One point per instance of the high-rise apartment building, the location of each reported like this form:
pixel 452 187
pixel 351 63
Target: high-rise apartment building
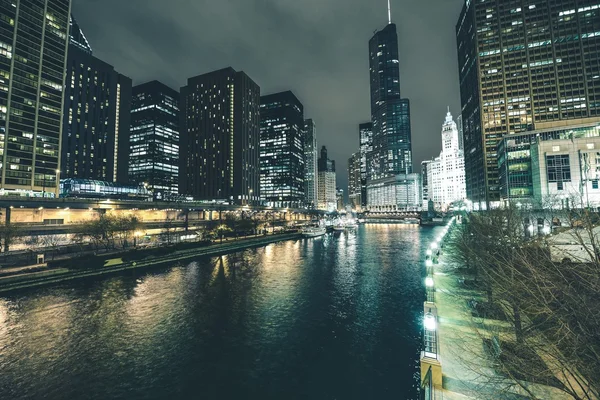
pixel 220 138
pixel 154 138
pixel 310 157
pixel 95 136
pixel 354 182
pixel 366 146
pixel 33 55
pixel 523 65
pixel 389 164
pixel 282 157
pixel 390 113
pixel 327 197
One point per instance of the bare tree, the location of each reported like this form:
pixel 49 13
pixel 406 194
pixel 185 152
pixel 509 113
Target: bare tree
pixel 552 307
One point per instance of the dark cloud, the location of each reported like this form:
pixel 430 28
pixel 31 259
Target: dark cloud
pixel 316 48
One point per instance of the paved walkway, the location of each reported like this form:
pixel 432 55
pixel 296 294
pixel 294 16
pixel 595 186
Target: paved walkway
pixel 467 370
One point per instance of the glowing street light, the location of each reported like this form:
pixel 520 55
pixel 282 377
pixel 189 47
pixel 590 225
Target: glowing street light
pixel 430 322
pixel 429 282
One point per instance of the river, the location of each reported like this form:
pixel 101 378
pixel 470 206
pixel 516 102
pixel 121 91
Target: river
pixel 336 317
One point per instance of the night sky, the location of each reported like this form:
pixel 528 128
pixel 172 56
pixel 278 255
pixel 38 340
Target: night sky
pixel 316 48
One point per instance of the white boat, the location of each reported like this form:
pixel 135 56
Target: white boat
pixel 339 227
pixel 313 231
pixel 352 226
pixel 362 220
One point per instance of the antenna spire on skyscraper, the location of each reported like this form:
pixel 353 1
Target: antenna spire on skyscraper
pixel 389 12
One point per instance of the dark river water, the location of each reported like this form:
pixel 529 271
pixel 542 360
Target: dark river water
pixel 336 317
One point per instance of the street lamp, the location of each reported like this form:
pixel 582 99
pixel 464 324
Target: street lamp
pixel 430 337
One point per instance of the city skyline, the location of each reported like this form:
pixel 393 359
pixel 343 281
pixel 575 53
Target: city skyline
pixel 153 44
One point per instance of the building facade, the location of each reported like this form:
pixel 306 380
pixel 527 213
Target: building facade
pixel 566 173
pixel 154 139
pixel 310 160
pixel 326 191
pixel 354 182
pixel 390 113
pixel 33 54
pixel 95 137
pixel 425 185
pixel 220 138
pixel 366 146
pixel 523 66
pixel 282 157
pixel 446 173
pixel 390 159
pixel 400 192
pixel 341 204
pixel 515 158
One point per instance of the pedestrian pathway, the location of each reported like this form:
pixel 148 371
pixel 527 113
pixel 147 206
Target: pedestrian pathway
pixel 467 369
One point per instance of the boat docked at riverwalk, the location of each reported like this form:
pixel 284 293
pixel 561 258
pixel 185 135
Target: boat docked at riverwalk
pixel 339 228
pixel 314 231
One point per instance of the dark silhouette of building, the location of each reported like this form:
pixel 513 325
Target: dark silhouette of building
pixel 154 139
pixel 220 138
pixel 326 190
pixel 522 66
pixel 95 139
pixel 282 162
pixel 32 69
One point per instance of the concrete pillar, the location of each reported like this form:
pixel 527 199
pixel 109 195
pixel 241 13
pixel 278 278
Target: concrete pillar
pixel 436 371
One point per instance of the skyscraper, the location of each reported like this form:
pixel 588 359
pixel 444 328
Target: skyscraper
pixel 33 55
pixel 366 146
pixel 446 173
pixel 390 114
pixel 310 157
pixel 220 138
pixel 354 181
pixel 523 65
pixel 327 197
pixel 95 137
pixel 154 154
pixel 282 163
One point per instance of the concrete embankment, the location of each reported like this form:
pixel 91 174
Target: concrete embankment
pixel 116 265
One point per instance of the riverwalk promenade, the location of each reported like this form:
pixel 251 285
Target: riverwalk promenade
pixel 116 265
pixel 467 367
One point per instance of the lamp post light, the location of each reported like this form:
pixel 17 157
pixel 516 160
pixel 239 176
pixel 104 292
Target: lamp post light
pixel 430 337
pixel 430 289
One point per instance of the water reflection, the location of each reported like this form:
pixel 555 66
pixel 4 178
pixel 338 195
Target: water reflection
pixel 330 317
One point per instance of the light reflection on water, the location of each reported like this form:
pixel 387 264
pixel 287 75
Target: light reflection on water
pixel 331 317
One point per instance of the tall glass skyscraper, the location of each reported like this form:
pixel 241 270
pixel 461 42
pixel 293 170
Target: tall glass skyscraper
pixel 390 113
pixel 354 181
pixel 282 163
pixel 523 65
pixel 220 138
pixel 310 157
pixel 154 138
pixel 389 163
pixel 33 54
pixel 366 146
pixel 95 139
